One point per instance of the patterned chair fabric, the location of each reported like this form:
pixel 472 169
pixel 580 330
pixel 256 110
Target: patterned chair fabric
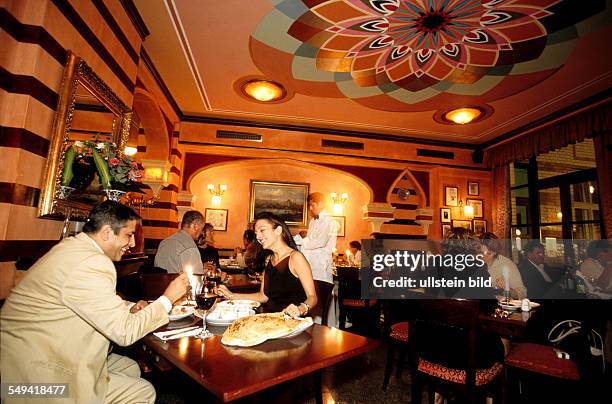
pixel 483 376
pixel 399 331
pixel 542 359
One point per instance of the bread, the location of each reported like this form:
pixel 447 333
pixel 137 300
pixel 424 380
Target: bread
pixel 253 330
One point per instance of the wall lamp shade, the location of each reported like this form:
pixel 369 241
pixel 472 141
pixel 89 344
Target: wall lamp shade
pixel 216 191
pixel 339 200
pixel 467 210
pixel 130 150
pixel 155 175
pixel 264 90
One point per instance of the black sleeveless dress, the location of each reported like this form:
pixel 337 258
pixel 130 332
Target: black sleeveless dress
pixel 281 286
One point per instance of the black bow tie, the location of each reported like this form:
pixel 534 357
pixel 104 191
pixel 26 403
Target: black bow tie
pixel 316 217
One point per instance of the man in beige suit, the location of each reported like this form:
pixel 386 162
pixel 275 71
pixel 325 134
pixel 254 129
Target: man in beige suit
pixel 57 323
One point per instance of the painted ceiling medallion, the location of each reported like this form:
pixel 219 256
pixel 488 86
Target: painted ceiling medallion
pixel 402 55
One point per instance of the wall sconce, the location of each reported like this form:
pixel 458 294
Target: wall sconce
pixel 338 202
pixel 155 175
pixel 216 191
pixel 467 210
pixel 130 150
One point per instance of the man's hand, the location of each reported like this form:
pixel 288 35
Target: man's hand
pixel 141 304
pixel 177 288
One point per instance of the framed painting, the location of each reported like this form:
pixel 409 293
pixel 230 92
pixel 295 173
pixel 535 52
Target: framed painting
pixel 287 200
pixel 445 215
pixel 473 188
pixel 451 196
pixel 341 220
pixel 466 224
pixel 480 227
pixel 445 228
pixel 216 217
pixel 477 204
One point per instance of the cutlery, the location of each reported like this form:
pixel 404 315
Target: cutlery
pixel 190 333
pixel 166 334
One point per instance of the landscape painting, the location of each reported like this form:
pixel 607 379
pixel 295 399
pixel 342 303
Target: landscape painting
pixel 287 200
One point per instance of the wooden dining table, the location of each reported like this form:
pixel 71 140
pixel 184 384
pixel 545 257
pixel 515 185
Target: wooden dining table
pixel 234 372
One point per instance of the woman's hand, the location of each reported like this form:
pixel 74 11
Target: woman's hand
pixel 499 283
pixel 292 310
pixel 222 290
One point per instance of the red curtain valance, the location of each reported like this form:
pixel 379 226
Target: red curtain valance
pixel 591 123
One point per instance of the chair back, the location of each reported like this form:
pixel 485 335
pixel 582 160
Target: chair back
pixel 444 331
pixel 153 285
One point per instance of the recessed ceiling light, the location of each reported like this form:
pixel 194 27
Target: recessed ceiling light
pixel 463 115
pixel 264 90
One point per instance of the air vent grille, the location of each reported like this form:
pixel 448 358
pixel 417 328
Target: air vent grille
pixel 338 144
pixel 435 153
pixel 225 134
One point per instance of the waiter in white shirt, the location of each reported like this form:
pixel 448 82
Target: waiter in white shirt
pixel 317 245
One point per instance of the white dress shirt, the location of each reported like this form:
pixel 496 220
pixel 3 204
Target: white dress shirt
pixel 318 246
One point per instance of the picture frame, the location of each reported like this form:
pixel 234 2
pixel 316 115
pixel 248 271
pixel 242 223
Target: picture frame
pixel 473 188
pixel 341 220
pixel 445 215
pixel 216 217
pixel 445 228
pixel 480 226
pixel 478 206
pixel 466 224
pixel 287 200
pixel 451 196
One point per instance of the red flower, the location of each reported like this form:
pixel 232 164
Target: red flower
pixel 114 161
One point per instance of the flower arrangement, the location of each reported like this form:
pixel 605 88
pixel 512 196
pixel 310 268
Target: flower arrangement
pixel 83 159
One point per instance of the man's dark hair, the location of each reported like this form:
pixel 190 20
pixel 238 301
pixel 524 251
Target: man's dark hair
pixel 109 212
pixel 532 245
pixel 355 244
pixel 191 217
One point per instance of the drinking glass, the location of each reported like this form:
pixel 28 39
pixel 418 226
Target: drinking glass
pixel 205 301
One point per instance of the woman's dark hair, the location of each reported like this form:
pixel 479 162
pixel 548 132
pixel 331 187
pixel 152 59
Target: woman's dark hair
pixel 491 241
pixel 355 244
pixel 597 247
pixel 249 235
pixel 109 212
pixel 277 221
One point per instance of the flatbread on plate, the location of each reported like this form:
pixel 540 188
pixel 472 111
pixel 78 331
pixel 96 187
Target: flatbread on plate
pixel 254 330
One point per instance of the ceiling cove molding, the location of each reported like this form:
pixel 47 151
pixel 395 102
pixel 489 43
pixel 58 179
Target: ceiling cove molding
pixel 318 153
pixel 180 33
pixel 327 131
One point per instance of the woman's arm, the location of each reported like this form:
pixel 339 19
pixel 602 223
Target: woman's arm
pixel 298 265
pixel 258 296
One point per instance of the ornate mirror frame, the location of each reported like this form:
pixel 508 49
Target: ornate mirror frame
pixel 76 72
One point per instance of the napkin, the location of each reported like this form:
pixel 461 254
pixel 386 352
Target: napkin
pixel 181 332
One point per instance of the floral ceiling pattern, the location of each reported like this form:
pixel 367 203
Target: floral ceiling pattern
pixel 418 55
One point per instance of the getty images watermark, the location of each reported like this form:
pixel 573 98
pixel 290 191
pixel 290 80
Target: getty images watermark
pixel 474 269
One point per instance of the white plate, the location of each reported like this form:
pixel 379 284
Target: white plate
pixel 306 323
pixel 179 312
pixel 239 302
pixel 214 317
pixel 516 305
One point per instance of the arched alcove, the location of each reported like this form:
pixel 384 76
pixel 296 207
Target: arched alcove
pixel 238 175
pixel 152 121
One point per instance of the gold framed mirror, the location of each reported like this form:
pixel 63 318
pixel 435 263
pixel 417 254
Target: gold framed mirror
pixel 88 110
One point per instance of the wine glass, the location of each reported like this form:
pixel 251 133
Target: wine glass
pixel 205 301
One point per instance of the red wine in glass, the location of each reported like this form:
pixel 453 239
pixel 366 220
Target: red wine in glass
pixel 205 300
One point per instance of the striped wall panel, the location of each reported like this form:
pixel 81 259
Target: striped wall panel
pixel 35 35
pixel 404 198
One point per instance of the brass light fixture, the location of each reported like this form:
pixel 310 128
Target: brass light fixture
pixel 264 90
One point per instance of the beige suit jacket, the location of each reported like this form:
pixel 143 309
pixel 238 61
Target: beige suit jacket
pixel 56 324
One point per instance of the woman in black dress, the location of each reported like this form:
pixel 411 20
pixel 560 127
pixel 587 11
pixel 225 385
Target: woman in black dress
pixel 287 284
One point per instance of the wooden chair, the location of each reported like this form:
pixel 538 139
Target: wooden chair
pixel 443 329
pixel 153 285
pixel 350 301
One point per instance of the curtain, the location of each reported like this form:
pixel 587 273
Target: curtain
pixel 592 123
pixel 603 156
